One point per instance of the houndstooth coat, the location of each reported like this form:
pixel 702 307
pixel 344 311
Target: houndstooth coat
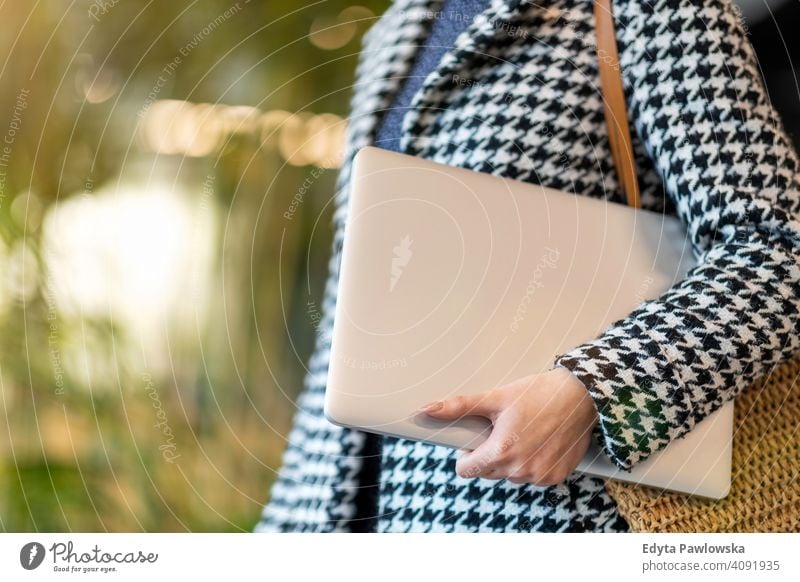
pixel 518 97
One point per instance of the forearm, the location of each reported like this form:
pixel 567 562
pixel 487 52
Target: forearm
pixel 672 362
pixel 698 105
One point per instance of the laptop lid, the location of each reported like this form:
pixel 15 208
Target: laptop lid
pixel 454 282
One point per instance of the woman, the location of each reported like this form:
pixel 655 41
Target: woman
pixel 517 95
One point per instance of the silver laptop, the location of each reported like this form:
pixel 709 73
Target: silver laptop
pixel 454 282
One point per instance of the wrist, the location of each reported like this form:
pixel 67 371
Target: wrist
pixel 580 392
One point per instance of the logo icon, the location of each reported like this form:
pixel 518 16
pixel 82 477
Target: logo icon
pixel 402 254
pixel 31 555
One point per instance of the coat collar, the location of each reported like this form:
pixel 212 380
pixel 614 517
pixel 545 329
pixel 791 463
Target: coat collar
pixel 387 60
pixel 375 92
pixel 498 21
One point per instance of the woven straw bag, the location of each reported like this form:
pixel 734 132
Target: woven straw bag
pixel 765 488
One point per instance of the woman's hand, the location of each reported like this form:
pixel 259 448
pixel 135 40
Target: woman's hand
pixel 542 427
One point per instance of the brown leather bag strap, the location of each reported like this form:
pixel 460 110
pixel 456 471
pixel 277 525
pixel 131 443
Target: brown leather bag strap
pixel 616 113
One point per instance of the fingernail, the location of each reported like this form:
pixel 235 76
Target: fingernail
pixel 433 406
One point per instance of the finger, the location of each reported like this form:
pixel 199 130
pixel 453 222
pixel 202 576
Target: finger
pixel 491 475
pixel 470 467
pixel 489 456
pixel 484 404
pixel 494 475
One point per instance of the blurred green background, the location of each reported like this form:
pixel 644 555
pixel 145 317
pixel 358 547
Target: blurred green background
pixel 166 178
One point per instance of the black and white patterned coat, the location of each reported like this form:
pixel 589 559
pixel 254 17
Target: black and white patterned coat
pixel 518 97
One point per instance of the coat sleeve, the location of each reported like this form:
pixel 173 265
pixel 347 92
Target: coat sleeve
pixel 697 102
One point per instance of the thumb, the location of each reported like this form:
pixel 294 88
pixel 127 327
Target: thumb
pixel 484 404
